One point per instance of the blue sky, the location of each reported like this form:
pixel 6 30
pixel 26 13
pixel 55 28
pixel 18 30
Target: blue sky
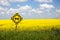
pixel 30 9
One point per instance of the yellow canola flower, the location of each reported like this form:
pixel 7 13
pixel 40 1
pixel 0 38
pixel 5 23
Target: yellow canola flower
pixel 30 24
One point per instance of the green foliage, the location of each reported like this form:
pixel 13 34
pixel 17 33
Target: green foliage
pixel 53 34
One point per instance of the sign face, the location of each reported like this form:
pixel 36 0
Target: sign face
pixel 16 18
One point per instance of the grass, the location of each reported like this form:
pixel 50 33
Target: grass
pixel 53 34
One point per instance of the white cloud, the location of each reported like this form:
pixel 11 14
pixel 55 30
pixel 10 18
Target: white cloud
pixel 57 12
pixel 25 8
pixel 2 13
pixel 2 10
pixel 17 0
pixel 26 11
pixel 4 2
pixel 46 6
pixel 44 0
pixel 37 11
pixel 22 9
pixel 12 11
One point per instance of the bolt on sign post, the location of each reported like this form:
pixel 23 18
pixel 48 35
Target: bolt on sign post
pixel 16 19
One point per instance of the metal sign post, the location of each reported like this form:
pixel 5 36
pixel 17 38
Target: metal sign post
pixel 16 27
pixel 16 19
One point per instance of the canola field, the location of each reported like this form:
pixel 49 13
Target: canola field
pixel 30 24
pixel 30 29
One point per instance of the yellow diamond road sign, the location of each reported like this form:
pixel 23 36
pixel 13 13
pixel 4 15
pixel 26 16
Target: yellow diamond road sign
pixel 16 18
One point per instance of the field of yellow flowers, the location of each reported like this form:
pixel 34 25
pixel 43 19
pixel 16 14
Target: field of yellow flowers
pixel 30 24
